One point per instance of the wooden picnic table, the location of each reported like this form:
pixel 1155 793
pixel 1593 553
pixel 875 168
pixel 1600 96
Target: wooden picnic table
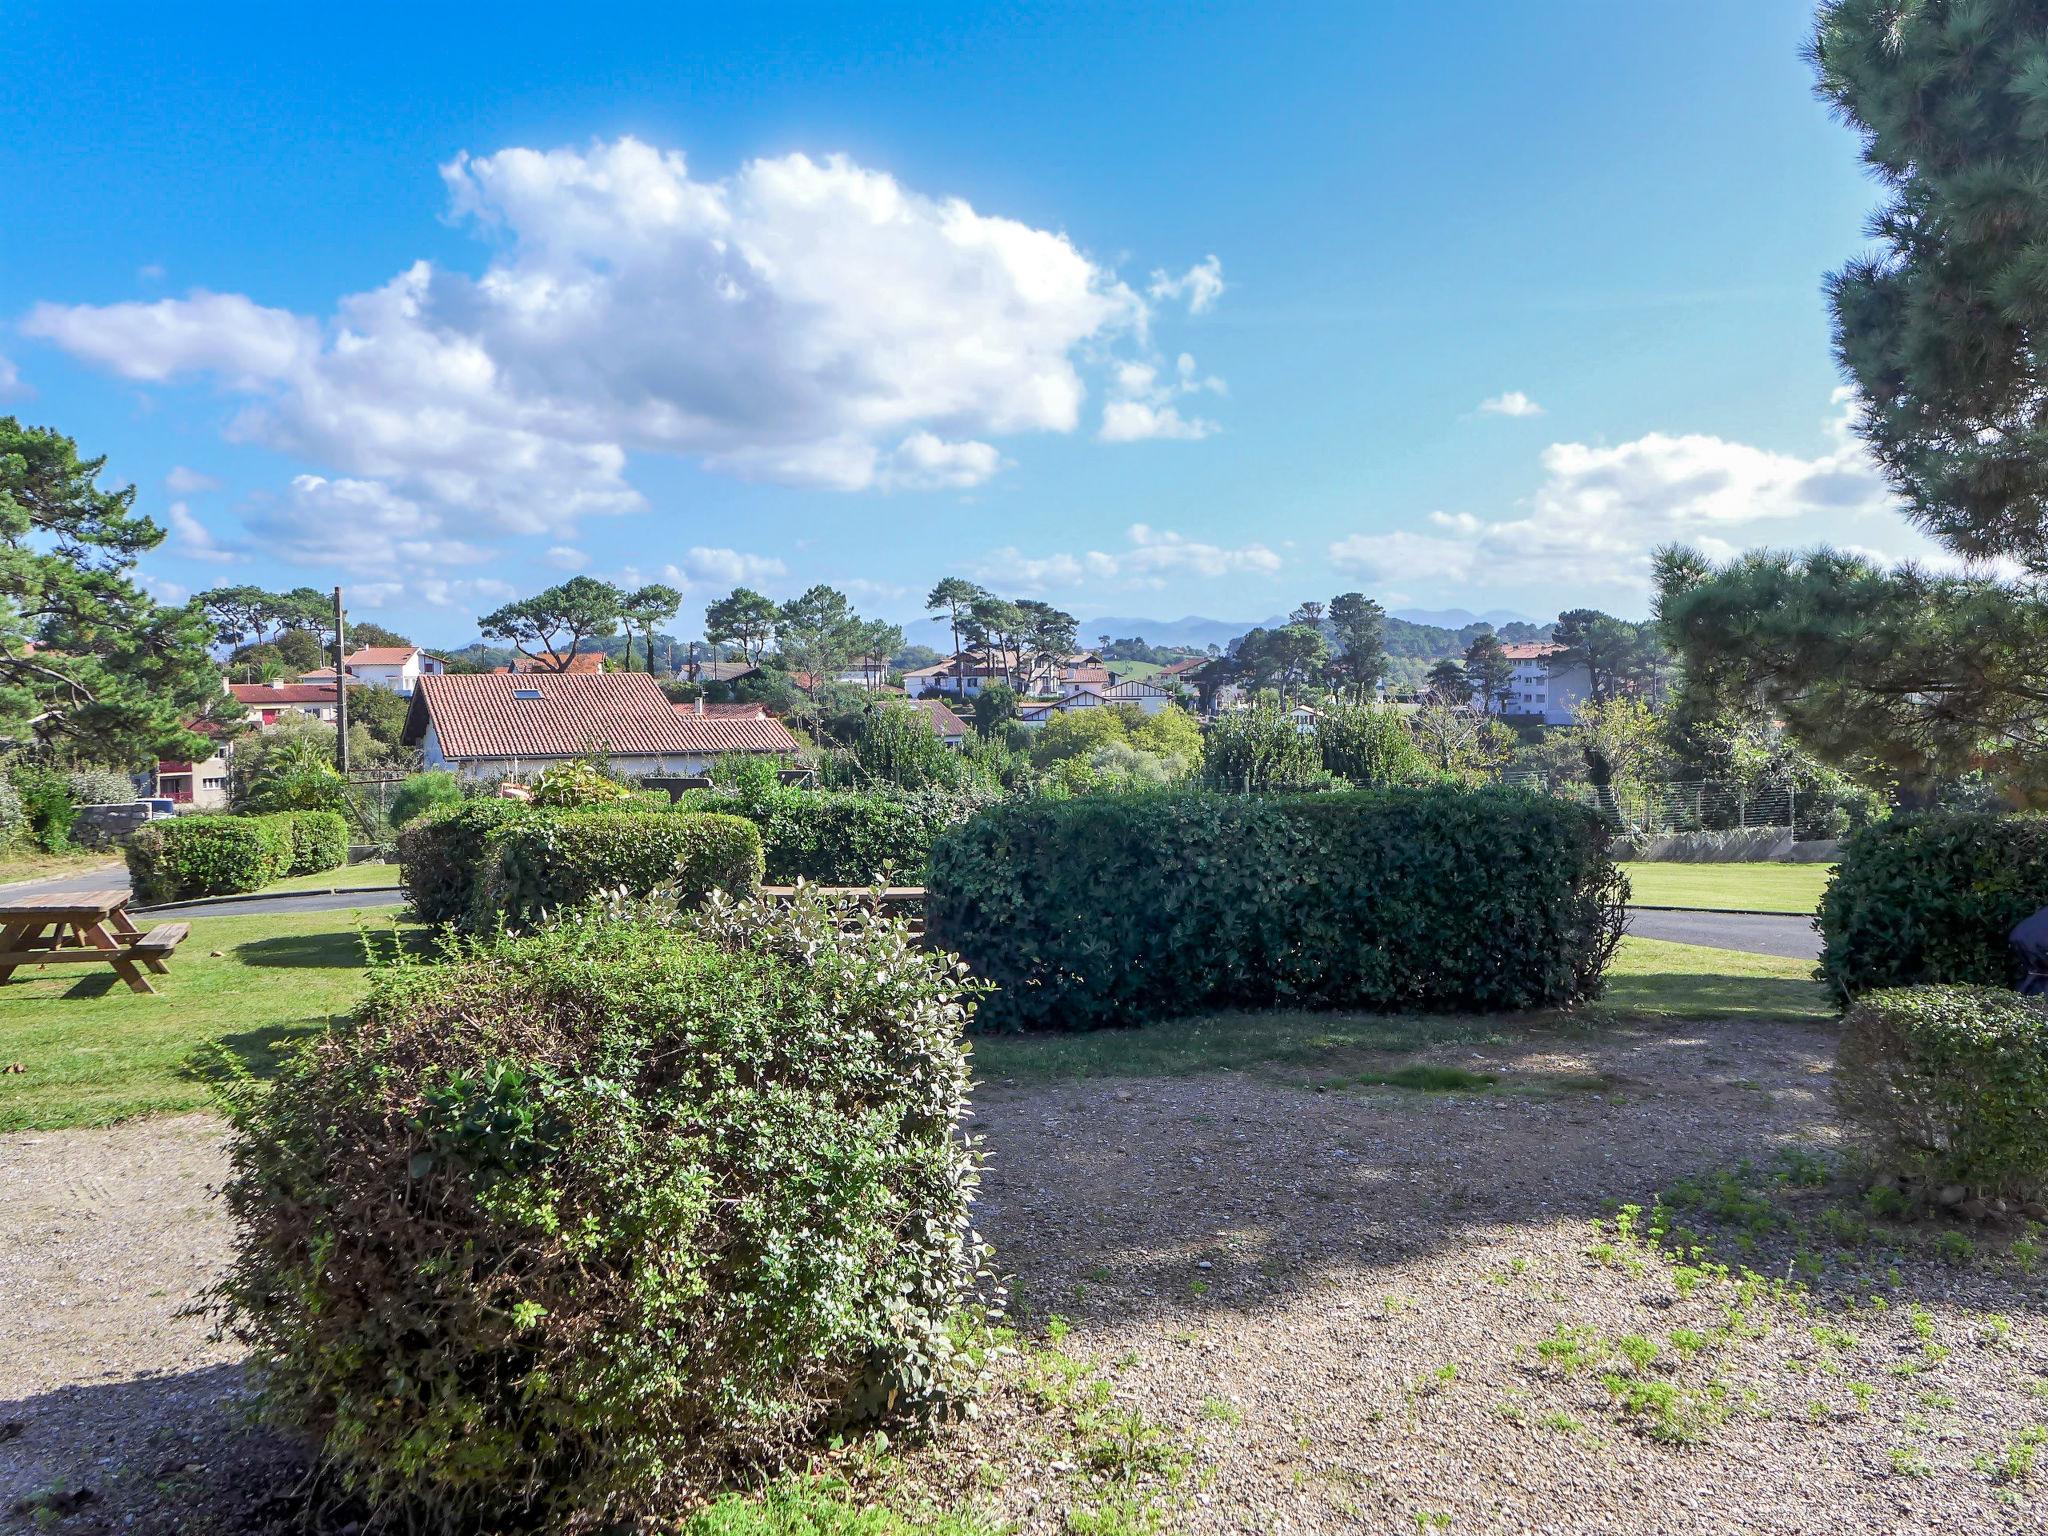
pixel 85 928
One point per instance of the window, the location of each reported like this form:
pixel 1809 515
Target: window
pixel 525 693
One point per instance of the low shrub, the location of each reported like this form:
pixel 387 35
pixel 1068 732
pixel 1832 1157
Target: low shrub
pixel 13 816
pixel 1115 909
pixel 1951 1083
pixel 548 862
pixel 441 856
pixel 583 781
pixel 1929 899
pixel 100 786
pixel 319 840
pixel 434 790
pixel 185 856
pixel 561 1235
pixel 1261 750
pixel 1368 746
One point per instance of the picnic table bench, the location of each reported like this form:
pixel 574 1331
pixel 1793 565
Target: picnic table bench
pixel 85 928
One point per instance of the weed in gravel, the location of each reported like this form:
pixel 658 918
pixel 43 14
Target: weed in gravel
pixel 2015 1461
pixel 1636 1350
pixel 1427 1520
pixel 1689 1341
pixel 1827 1336
pixel 1956 1247
pixel 1560 1422
pixel 1864 1393
pixel 1907 1462
pixel 1666 1411
pixel 1571 1348
pixel 1057 1327
pixel 1222 1410
pixel 1937 1400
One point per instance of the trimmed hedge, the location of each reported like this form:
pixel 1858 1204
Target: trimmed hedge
pixel 1930 899
pixel 184 856
pixel 441 856
pixel 842 837
pixel 1951 1083
pixel 319 840
pixel 558 1236
pixel 1115 909
pixel 547 862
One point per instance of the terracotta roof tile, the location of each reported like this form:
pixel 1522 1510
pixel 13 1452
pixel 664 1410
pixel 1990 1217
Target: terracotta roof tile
pixel 382 655
pixel 624 713
pixel 581 664
pixel 944 721
pixel 1530 650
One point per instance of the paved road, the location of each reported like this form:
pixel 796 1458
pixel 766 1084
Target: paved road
pixel 1791 937
pixel 101 877
pixel 311 902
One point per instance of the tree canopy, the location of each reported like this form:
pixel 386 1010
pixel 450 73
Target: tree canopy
pixel 88 660
pixel 552 627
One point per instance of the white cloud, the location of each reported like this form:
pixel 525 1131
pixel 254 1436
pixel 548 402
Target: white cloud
pixel 563 558
pixel 1601 511
pixel 1201 285
pixel 10 376
pixel 182 481
pixel 190 539
pixel 803 320
pixel 173 593
pixel 151 272
pixel 359 528
pixel 727 568
pixel 475 596
pixel 1512 403
pixel 1152 557
pixel 221 333
pixel 1133 421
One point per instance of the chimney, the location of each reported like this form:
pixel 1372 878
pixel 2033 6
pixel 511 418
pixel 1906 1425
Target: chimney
pixel 700 704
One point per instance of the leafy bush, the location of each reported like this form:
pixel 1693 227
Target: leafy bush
pixel 1248 751
pixel 836 837
pixel 46 803
pixel 184 856
pixel 13 816
pixel 319 840
pixel 549 862
pixel 291 770
pixel 897 745
pixel 623 1207
pixel 1370 746
pixel 1951 1083
pixel 100 786
pixel 1110 910
pixel 584 781
pixel 1930 898
pixel 441 856
pixel 423 792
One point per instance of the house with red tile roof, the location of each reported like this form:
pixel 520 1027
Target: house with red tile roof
pixel 1542 687
pixel 582 662
pixel 515 724
pixel 951 729
pixel 270 703
pixel 393 667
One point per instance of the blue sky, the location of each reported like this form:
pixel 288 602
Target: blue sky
pixel 1147 310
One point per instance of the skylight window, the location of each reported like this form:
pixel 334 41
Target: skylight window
pixel 525 693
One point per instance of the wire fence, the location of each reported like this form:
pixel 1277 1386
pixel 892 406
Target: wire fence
pixel 1700 805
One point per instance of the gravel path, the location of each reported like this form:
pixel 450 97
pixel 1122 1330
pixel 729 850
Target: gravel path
pixel 1331 1298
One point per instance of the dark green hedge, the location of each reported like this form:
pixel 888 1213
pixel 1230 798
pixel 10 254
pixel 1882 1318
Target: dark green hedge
pixel 1115 909
pixel 184 856
pixel 441 856
pixel 562 1236
pixel 1950 1084
pixel 1930 898
pixel 319 840
pixel 550 861
pixel 844 837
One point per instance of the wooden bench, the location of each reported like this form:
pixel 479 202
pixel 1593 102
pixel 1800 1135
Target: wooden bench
pixel 155 946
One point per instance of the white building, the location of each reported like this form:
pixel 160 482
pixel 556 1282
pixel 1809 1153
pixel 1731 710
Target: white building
pixel 396 668
pixel 1540 688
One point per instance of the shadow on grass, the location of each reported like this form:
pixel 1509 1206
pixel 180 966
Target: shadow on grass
pixel 256 1053
pixel 1701 995
pixel 330 951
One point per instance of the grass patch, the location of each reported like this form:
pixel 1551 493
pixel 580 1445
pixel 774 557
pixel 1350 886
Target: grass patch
pixel 93 1052
pixel 1424 1077
pixel 1762 886
pixel 818 1507
pixel 353 877
pixel 45 866
pixel 1654 979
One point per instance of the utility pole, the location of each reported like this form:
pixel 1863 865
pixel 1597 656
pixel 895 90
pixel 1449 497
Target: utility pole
pixel 340 687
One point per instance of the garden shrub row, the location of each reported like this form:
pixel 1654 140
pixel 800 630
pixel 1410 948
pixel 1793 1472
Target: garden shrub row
pixel 552 1237
pixel 487 861
pixel 1116 909
pixel 845 837
pixel 1930 898
pixel 186 856
pixel 1951 1084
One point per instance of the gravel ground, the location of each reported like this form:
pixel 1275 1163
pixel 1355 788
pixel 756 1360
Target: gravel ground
pixel 1329 1300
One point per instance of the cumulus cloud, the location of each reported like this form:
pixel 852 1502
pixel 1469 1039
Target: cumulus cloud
pixel 1601 511
pixel 1511 403
pixel 190 539
pixel 1134 421
pixel 1145 410
pixel 182 481
pixel 727 568
pixel 1201 285
pixel 563 558
pixel 803 320
pixel 1151 558
pixel 361 528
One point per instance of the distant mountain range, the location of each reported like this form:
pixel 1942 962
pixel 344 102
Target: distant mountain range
pixel 1197 631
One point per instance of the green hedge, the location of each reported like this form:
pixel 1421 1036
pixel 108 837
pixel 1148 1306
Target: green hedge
pixel 843 837
pixel 1116 909
pixel 319 840
pixel 441 856
pixel 185 856
pixel 561 1235
pixel 549 861
pixel 1951 1084
pixel 1929 899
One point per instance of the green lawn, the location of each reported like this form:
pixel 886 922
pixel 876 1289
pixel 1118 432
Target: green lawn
pixel 1760 887
pixel 93 1052
pixel 353 877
